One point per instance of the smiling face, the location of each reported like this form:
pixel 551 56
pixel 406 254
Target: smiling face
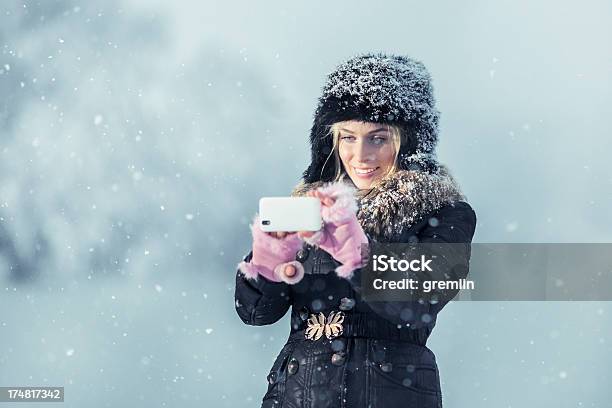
pixel 367 151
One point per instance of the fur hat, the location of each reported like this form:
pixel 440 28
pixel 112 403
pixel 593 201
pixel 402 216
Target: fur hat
pixel 379 88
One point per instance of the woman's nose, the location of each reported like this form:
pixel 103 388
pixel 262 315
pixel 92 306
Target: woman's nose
pixel 363 153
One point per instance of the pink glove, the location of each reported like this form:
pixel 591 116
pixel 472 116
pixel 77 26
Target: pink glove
pixel 341 235
pixel 271 255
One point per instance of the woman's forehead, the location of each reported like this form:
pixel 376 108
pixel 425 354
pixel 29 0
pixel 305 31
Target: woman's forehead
pixel 359 127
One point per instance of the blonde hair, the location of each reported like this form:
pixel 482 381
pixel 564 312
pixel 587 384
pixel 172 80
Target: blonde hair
pixel 334 133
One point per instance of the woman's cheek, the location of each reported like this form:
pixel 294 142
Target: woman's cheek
pixel 387 156
pixel 344 154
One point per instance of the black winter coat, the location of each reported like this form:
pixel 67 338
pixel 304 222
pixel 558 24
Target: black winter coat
pixel 379 361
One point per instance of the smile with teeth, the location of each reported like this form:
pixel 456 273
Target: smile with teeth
pixel 364 171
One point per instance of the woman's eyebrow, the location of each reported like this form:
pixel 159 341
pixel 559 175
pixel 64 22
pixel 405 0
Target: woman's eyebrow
pixel 370 132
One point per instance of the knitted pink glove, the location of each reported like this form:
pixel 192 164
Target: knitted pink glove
pixel 341 235
pixel 271 255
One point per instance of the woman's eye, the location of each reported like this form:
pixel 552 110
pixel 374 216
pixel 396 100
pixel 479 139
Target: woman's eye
pixel 379 140
pixel 348 138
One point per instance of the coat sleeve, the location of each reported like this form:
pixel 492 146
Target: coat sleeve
pixel 454 223
pixel 260 301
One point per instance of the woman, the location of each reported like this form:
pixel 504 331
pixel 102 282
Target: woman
pixel 374 169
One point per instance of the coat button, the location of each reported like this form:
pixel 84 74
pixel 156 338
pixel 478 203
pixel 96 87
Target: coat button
pixel 293 366
pixel 346 304
pixel 386 367
pixel 272 377
pixel 338 358
pixel 301 255
pixel 304 313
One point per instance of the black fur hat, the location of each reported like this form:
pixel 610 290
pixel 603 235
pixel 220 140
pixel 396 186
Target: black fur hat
pixel 379 88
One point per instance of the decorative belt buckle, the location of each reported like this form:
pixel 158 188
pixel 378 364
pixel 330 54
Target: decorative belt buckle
pixel 331 326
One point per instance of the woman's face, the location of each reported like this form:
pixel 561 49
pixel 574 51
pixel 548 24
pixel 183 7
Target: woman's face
pixel 366 150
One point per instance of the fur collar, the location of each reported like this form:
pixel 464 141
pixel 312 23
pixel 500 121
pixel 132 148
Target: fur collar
pixel 399 201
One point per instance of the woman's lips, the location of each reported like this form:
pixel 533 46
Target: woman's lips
pixel 365 172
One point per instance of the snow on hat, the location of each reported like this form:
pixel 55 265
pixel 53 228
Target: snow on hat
pixel 379 88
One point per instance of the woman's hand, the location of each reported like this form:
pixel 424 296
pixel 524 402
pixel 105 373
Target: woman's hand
pixel 341 236
pixel 289 270
pixel 325 199
pixel 273 256
pixel 280 234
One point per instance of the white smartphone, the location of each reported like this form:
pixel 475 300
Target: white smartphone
pixel 290 214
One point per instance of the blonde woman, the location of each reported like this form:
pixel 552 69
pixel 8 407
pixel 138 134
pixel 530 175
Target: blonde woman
pixel 373 166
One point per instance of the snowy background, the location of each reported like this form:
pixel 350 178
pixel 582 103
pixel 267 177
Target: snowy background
pixel 136 137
